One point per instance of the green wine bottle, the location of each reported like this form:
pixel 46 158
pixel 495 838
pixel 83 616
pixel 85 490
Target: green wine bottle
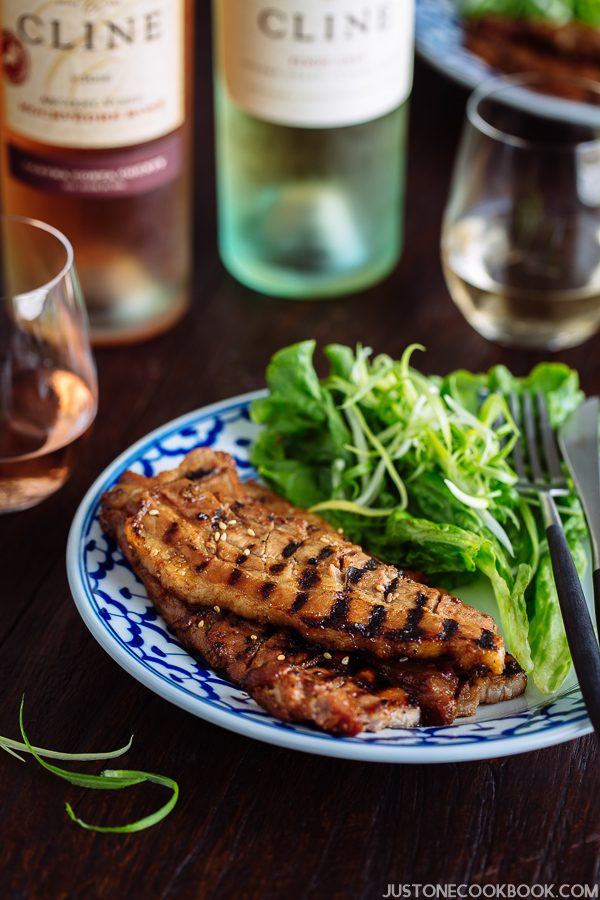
pixel 311 107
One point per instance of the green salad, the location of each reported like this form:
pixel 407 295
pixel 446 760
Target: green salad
pixel 417 469
pixel 555 12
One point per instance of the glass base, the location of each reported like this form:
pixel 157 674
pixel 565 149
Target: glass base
pixel 19 494
pixel 295 284
pixel 531 335
pixel 305 240
pixel 117 332
pixel 126 300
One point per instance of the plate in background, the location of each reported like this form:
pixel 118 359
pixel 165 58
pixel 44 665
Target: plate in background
pixel 115 607
pixel 439 40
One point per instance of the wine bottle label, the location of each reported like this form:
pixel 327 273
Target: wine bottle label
pixel 106 175
pixel 93 73
pixel 316 64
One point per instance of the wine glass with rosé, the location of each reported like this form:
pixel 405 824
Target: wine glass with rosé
pixel 48 387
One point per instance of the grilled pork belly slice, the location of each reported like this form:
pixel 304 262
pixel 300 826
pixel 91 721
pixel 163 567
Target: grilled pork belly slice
pixel 292 680
pixel 445 694
pixel 343 695
pixel 484 688
pixel 299 682
pixel 530 45
pixel 207 540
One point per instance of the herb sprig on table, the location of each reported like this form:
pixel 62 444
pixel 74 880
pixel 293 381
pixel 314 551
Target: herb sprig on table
pixel 108 780
pixel 417 469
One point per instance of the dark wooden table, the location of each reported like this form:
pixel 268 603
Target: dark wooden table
pixel 256 821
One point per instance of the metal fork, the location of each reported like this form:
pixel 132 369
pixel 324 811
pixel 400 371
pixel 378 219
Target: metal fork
pixel 537 462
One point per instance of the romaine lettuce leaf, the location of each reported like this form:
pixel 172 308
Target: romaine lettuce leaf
pixel 549 646
pixel 296 401
pixel 417 469
pixel 428 546
pixel 588 12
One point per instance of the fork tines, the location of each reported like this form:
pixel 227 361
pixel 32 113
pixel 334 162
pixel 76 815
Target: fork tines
pixel 536 457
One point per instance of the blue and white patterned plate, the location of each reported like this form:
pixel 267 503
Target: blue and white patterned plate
pixel 439 40
pixel 116 609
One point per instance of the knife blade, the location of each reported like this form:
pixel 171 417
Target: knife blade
pixel 580 446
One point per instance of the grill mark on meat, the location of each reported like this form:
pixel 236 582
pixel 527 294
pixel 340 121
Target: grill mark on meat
pixel 391 587
pixel 372 565
pixel 242 558
pixel 267 589
pixel 512 667
pixel 277 568
pixel 376 620
pixel 325 553
pixel 170 532
pixel 300 601
pixel 338 615
pixel 411 630
pixel 308 579
pixel 354 575
pixel 235 576
pixel 291 548
pixel 199 474
pixel 359 628
pixel 449 629
pixel 202 566
pixel 486 641
pixel 421 599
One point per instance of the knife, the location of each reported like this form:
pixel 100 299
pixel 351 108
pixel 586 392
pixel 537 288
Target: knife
pixel 580 446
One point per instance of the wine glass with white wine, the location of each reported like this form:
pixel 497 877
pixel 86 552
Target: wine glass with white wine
pixel 48 389
pixel 521 231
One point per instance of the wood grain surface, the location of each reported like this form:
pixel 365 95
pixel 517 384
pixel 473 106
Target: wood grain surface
pixel 255 821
